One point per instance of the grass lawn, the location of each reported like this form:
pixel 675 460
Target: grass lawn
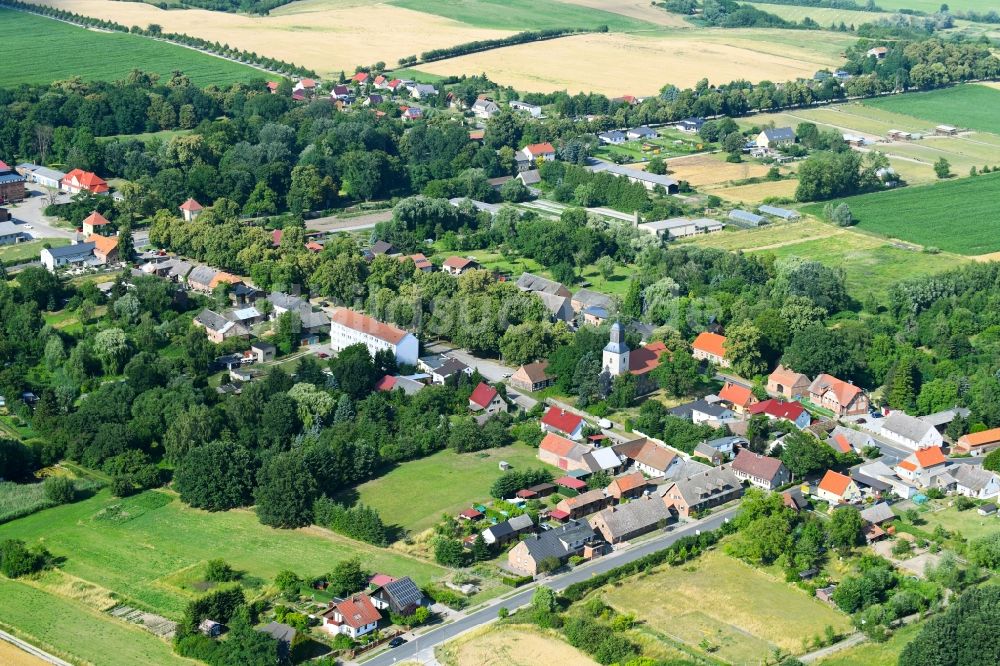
pixel 135 546
pixel 957 215
pixel 416 493
pixel 524 14
pixel 742 611
pixel 874 654
pixel 966 106
pixel 28 251
pixel 119 53
pixel 969 522
pixel 78 632
pixel 416 75
pixel 147 137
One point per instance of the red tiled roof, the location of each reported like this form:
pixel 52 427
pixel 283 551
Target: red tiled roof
pixel 360 77
pixel 562 420
pixel 756 465
pixel 908 466
pixel 559 514
pixel 380 79
pixel 629 482
pixel 834 482
pixel 982 438
pixel 553 443
pixel 646 358
pixel 457 262
pixel 87 180
pixel 930 457
pixel 711 343
pixel 103 244
pixel 365 324
pixel 313 246
pixel 736 394
pixel 844 391
pixel 221 277
pixel 386 383
pixel 779 409
pixel 380 579
pixel 471 514
pixel 272 85
pixel 420 261
pixel 191 205
pixel 308 83
pixel 786 376
pixel 536 149
pixel 570 482
pixel 483 395
pixel 95 219
pixel 841 441
pixel 357 611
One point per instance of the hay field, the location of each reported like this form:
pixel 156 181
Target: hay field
pixel 637 9
pixel 758 192
pixel 743 611
pixel 712 169
pixel 619 64
pixel 821 15
pixel 511 645
pixel 325 35
pixel 13 656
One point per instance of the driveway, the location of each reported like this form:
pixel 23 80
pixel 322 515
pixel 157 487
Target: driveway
pixel 334 223
pixel 422 649
pixel 29 213
pixel 494 371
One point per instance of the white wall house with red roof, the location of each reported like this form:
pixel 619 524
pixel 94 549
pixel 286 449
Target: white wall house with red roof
pixel 486 400
pixel 563 423
pixel 348 327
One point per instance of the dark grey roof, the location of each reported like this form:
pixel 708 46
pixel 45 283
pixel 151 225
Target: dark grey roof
pixel 684 411
pixel 404 592
pixel 71 250
pixel 637 515
pixel 878 513
pixel 613 135
pixel 642 131
pixel 711 483
pixel 212 320
pixel 381 247
pixel 972 477
pixel 451 367
pixel 7 178
pixel 263 346
pixel 530 177
pixel 531 282
pixel 780 133
pixel 556 542
pixel 589 297
pixel 723 442
pixel 280 632
pixel 906 426
pixel 202 275
pixel 871 482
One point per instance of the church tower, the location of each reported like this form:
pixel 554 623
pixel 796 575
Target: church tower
pixel 616 352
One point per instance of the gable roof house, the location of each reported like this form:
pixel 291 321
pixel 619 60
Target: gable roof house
pixel 564 423
pixel 840 397
pixel 283 633
pixel 701 491
pixel 877 514
pixel 921 466
pixel 978 443
pixel 105 248
pixel 633 519
pixel 761 471
pixel 573 538
pixel 507 531
pixel 787 383
pixel 348 327
pixel 529 156
pixel 392 382
pixel 200 278
pixel 458 265
pixel 486 399
pixel 613 138
pixel 67 255
pixel 533 110
pixel 739 397
pixel 719 450
pixel 774 137
pixel 603 460
pixel 400 596
pixel 845 440
pixel 94 223
pixel 641 132
pixel 354 616
pixel 836 488
pixel 976 482
pixel 710 347
pixel 560 308
pixel 704 411
pixel 484 109
pixel 583 504
pixel 191 209
pixel 910 431
pixel 778 410
pixel 218 328
pixel 78 180
pixel 537 283
pixel 628 486
pixel 648 457
pixel 531 377
pixel 562 453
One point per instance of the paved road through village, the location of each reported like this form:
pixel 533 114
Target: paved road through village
pixel 422 649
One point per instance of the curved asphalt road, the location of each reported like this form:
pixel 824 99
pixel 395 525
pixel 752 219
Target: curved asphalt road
pixel 483 616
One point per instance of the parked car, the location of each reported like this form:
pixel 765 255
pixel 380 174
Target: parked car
pixel 397 641
pixel 323 355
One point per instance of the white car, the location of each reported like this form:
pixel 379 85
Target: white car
pixel 28 226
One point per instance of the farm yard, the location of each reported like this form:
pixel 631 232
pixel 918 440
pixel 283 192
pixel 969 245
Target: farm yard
pixel 118 54
pixel 741 611
pixel 512 645
pixel 417 493
pixel 871 264
pixel 159 538
pixel 914 214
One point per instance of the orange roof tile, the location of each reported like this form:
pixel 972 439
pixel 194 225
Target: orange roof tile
pixel 736 394
pixel 191 205
pixel 221 277
pixel 553 443
pixel 103 244
pixel 908 466
pixel 835 482
pixel 365 324
pixel 842 443
pixel 95 219
pixel 929 457
pixel 629 482
pixel 711 343
pixel 991 436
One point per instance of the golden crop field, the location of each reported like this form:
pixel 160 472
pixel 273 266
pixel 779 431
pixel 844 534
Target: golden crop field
pixel 637 9
pixel 16 657
pixel 325 35
pixel 511 646
pixel 711 169
pixel 620 64
pixel 757 192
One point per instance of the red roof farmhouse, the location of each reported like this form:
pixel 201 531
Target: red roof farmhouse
pixel 558 420
pixel 710 347
pixel 840 397
pixel 348 327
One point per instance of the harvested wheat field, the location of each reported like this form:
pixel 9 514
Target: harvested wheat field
pixel 13 656
pixel 325 35
pixel 619 64
pixel 758 192
pixel 512 645
pixel 712 169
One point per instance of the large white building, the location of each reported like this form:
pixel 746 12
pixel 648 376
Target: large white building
pixel 910 431
pixel 348 327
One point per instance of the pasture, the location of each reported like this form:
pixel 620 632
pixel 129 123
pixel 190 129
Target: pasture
pixel 966 106
pixel 713 169
pixel 741 611
pixel 158 536
pixel 871 264
pixel 511 645
pixel 78 632
pixel 416 493
pixel 957 215
pixel 518 15
pixel 969 523
pixel 111 55
pixel 875 654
